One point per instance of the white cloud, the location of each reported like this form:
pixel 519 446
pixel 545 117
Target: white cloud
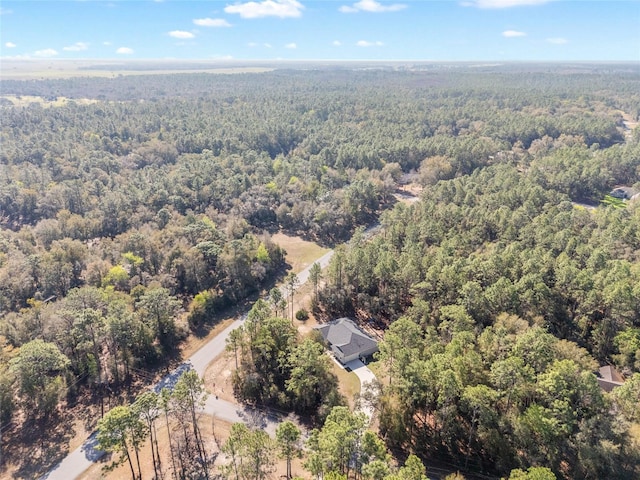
pixel 211 22
pixel 124 51
pixel 513 33
pixel 76 47
pixel 256 44
pixel 106 44
pixel 10 45
pixel 267 8
pixel 502 3
pixel 181 34
pixel 557 40
pixel 291 46
pixel 371 6
pixel 365 43
pixel 47 52
pixel 336 43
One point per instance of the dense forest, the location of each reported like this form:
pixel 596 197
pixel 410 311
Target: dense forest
pixel 134 208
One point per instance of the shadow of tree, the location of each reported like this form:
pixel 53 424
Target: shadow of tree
pixel 36 446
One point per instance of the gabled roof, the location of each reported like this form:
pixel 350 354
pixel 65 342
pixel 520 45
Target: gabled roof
pixel 610 373
pixel 623 192
pixel 344 335
pixel 609 378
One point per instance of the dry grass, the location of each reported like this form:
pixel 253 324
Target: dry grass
pixel 194 343
pixel 208 426
pixel 300 253
pixel 24 100
pixel 123 472
pixel 349 383
pixel 59 68
pixel 217 377
pixel 634 431
pixel 30 450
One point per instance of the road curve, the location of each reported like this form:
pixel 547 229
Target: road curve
pixel 80 459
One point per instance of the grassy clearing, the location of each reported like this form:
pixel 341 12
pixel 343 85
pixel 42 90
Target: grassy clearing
pixel 25 100
pixel 613 202
pixel 300 253
pixel 348 381
pixel 58 68
pixel 193 343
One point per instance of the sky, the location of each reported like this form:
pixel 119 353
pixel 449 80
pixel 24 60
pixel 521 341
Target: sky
pixel 429 30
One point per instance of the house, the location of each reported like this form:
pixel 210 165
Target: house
pixel 623 193
pixel 346 341
pixel 609 378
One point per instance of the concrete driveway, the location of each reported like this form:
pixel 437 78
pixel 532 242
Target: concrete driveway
pixel 367 379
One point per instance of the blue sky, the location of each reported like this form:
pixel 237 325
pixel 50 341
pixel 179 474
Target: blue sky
pixel 439 30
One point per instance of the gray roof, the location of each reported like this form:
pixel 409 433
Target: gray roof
pixel 623 192
pixel 608 372
pixel 344 335
pixel 609 378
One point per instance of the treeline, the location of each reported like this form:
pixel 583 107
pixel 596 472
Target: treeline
pixel 341 447
pixel 111 306
pixel 276 368
pixel 506 396
pixel 497 241
pixel 190 255
pixel 277 141
pixel 144 204
pixel 125 429
pixel 499 295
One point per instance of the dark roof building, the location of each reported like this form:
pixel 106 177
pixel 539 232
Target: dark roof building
pixel 346 341
pixel 609 378
pixel 623 193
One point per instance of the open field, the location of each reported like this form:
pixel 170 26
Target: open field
pixel 24 100
pixel 300 253
pixel 25 69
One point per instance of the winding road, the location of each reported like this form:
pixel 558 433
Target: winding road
pixel 80 459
